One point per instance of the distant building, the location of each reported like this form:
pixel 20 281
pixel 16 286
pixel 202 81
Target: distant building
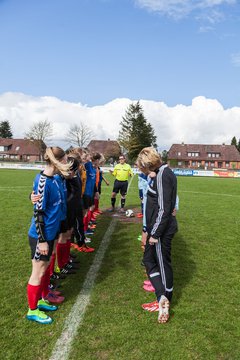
pixel 204 156
pixel 21 150
pixel 109 148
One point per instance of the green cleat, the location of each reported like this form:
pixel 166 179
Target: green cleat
pixel 38 316
pixel 46 306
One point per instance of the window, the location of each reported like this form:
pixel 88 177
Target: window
pixel 179 163
pixel 189 154
pixel 1 148
pixel 213 155
pixel 217 155
pixel 212 164
pixel 179 154
pixel 227 164
pixel 17 148
pixel 193 163
pixel 209 155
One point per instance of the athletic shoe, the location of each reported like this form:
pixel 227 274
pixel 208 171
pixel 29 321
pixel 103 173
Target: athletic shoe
pixel 71 266
pixel 54 286
pixel 89 232
pixel 149 288
pixel 38 316
pixel 56 276
pixel 55 299
pixel 152 306
pixel 93 222
pixel 52 291
pixel 44 304
pixel 73 245
pixel 147 282
pixel 72 255
pixel 98 211
pixel 87 240
pixel 140 215
pixel 139 238
pixel 73 260
pixel 65 271
pixel 85 249
pixel 164 306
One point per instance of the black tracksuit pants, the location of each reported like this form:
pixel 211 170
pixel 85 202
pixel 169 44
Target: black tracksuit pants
pixel 157 260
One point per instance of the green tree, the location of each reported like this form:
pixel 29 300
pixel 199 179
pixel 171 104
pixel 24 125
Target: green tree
pixel 238 145
pixel 5 130
pixel 136 133
pixel 164 156
pixel 234 141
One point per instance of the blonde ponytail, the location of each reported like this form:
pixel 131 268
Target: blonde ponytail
pixel 53 155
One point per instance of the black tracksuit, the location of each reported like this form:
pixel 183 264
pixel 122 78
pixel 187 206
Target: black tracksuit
pixel 161 225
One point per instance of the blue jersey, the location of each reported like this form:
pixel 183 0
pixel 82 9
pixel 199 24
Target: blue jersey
pixel 91 179
pixel 50 205
pixel 63 189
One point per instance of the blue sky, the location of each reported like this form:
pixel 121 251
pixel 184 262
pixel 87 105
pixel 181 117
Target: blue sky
pixel 94 51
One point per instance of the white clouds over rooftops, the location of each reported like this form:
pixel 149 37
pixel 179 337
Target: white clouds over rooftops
pixel 181 8
pixel 204 121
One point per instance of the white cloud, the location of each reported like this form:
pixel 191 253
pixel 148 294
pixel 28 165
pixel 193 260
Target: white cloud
pixel 235 59
pixel 181 8
pixel 204 121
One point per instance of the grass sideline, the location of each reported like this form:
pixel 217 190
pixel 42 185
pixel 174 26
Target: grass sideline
pixel 205 306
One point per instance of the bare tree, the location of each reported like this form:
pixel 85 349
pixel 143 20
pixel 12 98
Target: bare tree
pixel 79 135
pixel 39 132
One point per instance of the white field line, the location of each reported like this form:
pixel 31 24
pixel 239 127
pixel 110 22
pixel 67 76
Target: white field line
pixel 73 321
pixel 207 193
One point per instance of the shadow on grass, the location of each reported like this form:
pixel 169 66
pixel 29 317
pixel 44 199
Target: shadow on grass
pixel 121 255
pixel 183 264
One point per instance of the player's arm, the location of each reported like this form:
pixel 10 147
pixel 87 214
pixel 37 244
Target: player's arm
pixel 165 207
pixel 39 221
pixel 105 180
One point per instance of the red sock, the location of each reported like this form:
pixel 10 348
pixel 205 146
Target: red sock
pixel 52 263
pixel 91 216
pixel 85 222
pixel 61 255
pixel 45 282
pixel 33 294
pixel 67 252
pixel 96 204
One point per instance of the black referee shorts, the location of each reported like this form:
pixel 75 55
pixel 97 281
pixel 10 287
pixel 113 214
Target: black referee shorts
pixel 120 186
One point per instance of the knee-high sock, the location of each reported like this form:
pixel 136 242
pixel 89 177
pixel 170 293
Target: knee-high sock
pixel 67 252
pixel 85 222
pixel 33 294
pixel 61 250
pixel 113 201
pixel 91 216
pixel 96 204
pixel 52 263
pixel 45 282
pixel 123 203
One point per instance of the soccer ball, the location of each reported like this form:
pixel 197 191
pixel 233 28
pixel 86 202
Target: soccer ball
pixel 129 213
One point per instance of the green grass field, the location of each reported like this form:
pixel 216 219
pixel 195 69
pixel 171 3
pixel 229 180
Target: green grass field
pixel 205 322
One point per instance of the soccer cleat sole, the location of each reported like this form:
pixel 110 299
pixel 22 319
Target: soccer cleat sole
pixel 37 319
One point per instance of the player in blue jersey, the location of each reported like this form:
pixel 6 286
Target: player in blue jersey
pixel 44 229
